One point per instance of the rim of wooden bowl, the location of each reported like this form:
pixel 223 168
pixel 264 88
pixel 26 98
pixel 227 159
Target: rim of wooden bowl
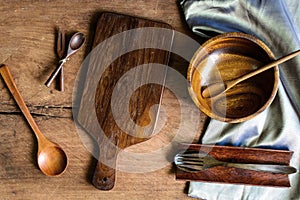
pixel 191 69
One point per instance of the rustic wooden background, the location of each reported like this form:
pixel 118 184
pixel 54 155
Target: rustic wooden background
pixel 27 47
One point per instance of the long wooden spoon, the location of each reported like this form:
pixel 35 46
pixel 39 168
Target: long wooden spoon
pixel 219 88
pixel 52 160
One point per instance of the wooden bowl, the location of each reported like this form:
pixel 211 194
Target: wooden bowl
pixel 226 57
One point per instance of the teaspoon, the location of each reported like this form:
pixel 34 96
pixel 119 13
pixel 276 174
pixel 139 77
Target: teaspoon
pixel 52 160
pixel 75 44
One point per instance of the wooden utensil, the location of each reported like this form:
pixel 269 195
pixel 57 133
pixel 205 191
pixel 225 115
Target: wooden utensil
pixel 60 50
pixel 52 160
pixel 223 58
pixel 221 174
pixel 219 88
pixel 114 138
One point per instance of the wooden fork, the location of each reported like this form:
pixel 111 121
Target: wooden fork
pixel 60 50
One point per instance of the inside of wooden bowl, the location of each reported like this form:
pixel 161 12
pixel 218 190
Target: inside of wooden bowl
pixel 227 57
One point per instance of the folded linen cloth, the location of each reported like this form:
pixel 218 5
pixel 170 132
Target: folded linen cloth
pixel 278 25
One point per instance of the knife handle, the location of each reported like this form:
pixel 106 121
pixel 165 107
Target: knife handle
pixel 105 171
pixel 278 169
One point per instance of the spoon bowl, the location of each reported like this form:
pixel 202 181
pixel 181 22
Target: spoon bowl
pixel 75 43
pixel 52 160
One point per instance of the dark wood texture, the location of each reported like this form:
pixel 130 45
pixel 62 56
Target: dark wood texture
pixel 240 176
pixel 27 38
pixel 142 99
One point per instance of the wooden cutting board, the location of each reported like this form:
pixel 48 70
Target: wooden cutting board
pixel 96 114
pixel 231 175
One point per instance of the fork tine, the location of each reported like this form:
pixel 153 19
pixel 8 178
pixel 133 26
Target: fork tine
pixel 192 162
pixel 63 42
pixel 189 159
pixel 193 168
pixel 59 43
pixel 192 155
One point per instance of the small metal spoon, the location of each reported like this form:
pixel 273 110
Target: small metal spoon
pixel 75 44
pixel 52 160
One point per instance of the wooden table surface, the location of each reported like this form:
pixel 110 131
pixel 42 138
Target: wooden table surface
pixel 27 47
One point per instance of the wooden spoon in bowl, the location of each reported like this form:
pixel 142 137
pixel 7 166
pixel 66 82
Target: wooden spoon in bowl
pixel 52 160
pixel 216 89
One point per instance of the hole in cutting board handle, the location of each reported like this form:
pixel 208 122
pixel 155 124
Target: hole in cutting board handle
pixel 104 179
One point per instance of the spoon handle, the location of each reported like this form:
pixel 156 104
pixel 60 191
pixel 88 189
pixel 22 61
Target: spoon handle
pixel 264 68
pixel 7 77
pixel 217 89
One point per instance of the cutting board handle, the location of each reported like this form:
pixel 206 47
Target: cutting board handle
pixel 104 175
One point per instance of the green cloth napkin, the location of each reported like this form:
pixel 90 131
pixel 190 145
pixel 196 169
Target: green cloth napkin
pixel 277 23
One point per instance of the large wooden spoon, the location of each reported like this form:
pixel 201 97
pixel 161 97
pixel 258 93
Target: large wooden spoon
pixel 52 160
pixel 216 89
